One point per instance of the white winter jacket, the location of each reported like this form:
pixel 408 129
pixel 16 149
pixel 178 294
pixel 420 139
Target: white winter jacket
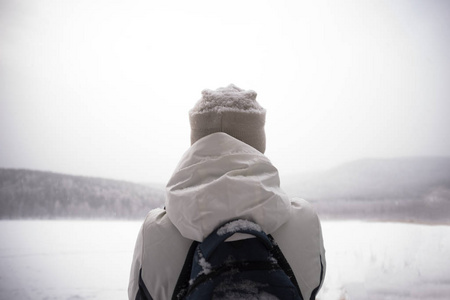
pixel 218 179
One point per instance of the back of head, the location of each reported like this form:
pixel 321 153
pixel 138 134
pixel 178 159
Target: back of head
pixel 231 110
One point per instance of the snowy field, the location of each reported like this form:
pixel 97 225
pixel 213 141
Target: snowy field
pixel 91 260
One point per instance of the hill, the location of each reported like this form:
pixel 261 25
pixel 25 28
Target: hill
pixel 36 194
pixel 402 189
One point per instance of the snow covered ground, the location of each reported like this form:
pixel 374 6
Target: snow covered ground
pixel 386 261
pixel 91 260
pixel 65 259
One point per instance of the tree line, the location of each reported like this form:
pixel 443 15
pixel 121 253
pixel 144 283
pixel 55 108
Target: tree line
pixel 37 194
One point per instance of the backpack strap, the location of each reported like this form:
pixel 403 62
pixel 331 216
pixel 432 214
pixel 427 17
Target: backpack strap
pixel 284 264
pixel 225 231
pixel 182 284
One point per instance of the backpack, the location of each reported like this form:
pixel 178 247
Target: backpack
pixel 252 268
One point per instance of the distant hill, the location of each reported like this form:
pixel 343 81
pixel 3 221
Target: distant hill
pixel 36 194
pixel 402 189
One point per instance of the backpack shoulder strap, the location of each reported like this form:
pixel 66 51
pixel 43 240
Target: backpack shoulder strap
pixel 284 264
pixel 182 284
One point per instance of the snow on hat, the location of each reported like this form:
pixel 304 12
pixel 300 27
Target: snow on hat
pixel 230 110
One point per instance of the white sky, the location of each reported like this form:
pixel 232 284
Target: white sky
pixel 103 88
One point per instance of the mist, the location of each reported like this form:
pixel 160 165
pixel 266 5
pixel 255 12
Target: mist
pixel 103 89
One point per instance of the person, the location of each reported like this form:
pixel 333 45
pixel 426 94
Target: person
pixel 225 175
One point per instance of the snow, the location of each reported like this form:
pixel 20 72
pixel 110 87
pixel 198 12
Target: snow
pixel 66 259
pixel 230 98
pixel 260 296
pixel 248 290
pixel 237 225
pixel 206 266
pixel 92 259
pixel 386 261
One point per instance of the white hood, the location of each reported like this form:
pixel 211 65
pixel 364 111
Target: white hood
pixel 221 178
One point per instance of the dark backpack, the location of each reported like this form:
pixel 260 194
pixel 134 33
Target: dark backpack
pixel 252 268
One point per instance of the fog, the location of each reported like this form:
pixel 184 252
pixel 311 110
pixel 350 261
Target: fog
pixel 102 88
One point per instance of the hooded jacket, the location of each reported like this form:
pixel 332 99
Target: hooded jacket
pixel 219 179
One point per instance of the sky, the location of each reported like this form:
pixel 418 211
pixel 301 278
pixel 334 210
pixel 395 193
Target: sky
pixel 103 88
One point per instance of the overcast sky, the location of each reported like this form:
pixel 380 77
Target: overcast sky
pixel 103 88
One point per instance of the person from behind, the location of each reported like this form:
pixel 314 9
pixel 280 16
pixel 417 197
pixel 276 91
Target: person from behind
pixel 223 176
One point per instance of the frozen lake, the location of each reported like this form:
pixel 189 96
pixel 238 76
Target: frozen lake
pixel 91 260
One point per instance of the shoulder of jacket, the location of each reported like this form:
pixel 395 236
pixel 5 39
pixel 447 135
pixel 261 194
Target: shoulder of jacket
pixel 303 207
pixel 163 253
pixel 300 240
pixel 153 215
pixel 157 217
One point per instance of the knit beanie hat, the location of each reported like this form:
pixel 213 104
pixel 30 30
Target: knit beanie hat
pixel 230 110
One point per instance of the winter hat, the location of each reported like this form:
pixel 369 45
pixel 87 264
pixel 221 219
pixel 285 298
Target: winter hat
pixel 230 110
